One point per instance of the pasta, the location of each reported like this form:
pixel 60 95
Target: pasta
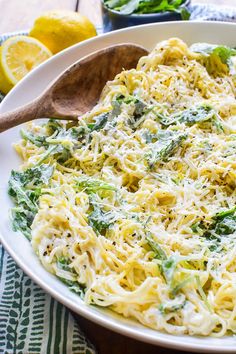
pixel 134 207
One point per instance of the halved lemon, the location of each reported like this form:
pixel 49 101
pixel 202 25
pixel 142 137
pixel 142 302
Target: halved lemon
pixel 18 56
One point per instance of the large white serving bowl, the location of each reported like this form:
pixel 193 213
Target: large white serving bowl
pixel 17 245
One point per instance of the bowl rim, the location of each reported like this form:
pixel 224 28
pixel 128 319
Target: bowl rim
pixel 142 16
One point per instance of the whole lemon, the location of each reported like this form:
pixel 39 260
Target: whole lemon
pixel 60 29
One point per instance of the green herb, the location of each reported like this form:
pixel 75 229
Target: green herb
pixel 224 224
pixel 139 108
pixel 227 226
pixel 202 294
pixel 180 286
pixel 158 251
pixel 172 306
pixel 197 114
pixel 168 268
pixel 101 220
pixel 149 137
pixel 34 139
pixel 92 185
pixel 100 122
pixel 25 189
pixel 127 7
pixel 191 116
pixel 63 263
pixel 224 53
pixel 60 144
pixel 102 119
pixel 223 214
pixel 165 147
pixel 22 220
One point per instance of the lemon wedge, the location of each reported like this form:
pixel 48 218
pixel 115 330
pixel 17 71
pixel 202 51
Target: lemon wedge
pixel 60 29
pixel 18 56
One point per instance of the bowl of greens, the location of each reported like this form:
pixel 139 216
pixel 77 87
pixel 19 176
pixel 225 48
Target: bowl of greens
pixel 124 13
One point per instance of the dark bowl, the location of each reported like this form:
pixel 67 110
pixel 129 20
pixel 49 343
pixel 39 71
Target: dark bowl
pixel 113 20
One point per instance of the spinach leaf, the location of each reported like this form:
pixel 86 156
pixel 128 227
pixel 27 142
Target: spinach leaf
pixel 197 114
pixel 92 185
pixel 100 122
pixel 223 214
pixel 202 294
pixel 168 268
pixel 25 190
pixel 24 187
pixel 158 251
pixel 34 139
pixel 101 220
pixel 167 143
pixel 139 108
pixel 127 7
pixel 62 143
pixel 22 220
pixel 130 7
pixel 173 305
pixel 114 4
pixel 190 116
pixel 180 286
pixel 223 224
pixel 139 111
pixel 224 53
pixel 149 137
pixel 63 263
pixel 226 226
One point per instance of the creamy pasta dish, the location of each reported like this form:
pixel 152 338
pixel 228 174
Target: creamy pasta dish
pixel 134 206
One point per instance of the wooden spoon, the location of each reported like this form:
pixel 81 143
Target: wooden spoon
pixel 77 89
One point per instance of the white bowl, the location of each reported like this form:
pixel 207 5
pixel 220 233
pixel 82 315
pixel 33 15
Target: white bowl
pixel 17 245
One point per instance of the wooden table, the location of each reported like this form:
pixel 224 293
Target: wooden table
pixel 18 15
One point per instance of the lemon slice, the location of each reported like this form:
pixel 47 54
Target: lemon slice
pixel 18 56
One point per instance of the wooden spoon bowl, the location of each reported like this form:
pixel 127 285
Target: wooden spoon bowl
pixel 77 90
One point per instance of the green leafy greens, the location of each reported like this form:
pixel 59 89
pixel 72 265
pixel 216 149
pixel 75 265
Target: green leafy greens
pixel 25 189
pixel 156 248
pixel 101 220
pixel 127 7
pixel 194 115
pixel 92 185
pixel 63 263
pixel 140 108
pixel 223 224
pixel 168 264
pixel 100 122
pixel 59 144
pixel 167 143
pixel 209 51
pixel 172 306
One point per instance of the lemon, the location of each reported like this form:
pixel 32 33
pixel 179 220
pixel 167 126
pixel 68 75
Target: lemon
pixel 60 29
pixel 19 55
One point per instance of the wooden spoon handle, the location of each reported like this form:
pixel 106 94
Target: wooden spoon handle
pixel 20 115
